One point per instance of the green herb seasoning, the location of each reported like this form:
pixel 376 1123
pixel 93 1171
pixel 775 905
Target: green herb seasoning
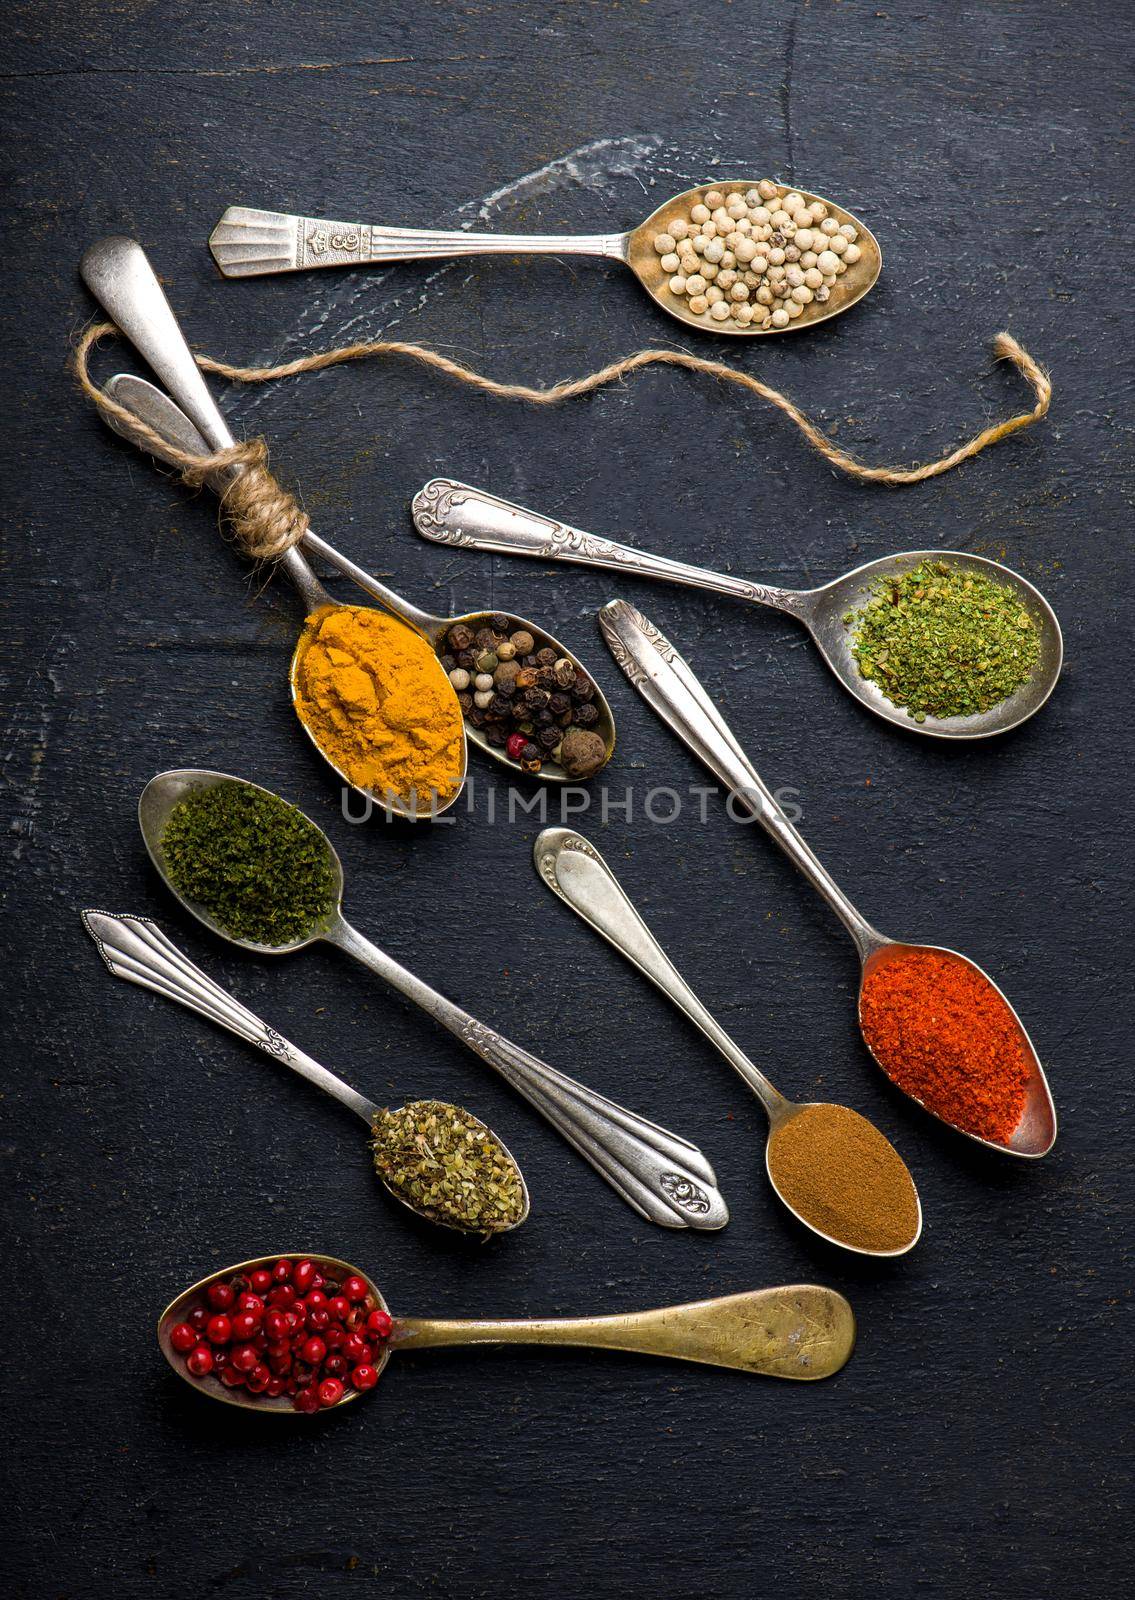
pixel 253 862
pixel 448 1166
pixel 944 641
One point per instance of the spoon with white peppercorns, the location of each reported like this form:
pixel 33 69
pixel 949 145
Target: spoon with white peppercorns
pixel 737 257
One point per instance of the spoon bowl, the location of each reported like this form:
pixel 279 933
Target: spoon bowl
pixel 646 264
pixel 249 242
pixel 281 1405
pixel 459 515
pixel 1035 1134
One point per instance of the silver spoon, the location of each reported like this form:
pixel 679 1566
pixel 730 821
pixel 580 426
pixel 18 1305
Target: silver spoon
pixel 661 1176
pixel 136 949
pixel 248 243
pixel 452 513
pixel 800 1331
pixel 668 685
pixel 574 870
pixel 119 275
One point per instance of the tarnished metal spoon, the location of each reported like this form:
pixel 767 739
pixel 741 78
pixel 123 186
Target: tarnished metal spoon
pixel 664 1178
pixel 136 949
pixel 574 870
pixel 160 413
pixel 456 514
pixel 801 1331
pixel 248 243
pixel 670 687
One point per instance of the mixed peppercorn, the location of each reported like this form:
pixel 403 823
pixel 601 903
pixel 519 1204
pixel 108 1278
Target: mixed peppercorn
pixel 528 700
pixel 286 1330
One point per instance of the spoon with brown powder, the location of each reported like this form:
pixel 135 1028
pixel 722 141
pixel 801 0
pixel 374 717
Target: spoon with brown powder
pixel 832 1168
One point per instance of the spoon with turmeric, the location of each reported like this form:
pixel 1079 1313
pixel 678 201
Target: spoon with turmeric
pixel 833 1169
pixel 371 692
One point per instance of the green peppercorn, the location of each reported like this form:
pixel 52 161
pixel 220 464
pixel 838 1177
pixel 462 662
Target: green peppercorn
pixel 486 661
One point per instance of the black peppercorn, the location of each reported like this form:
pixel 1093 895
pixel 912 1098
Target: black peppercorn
pixel 465 701
pixel 549 738
pixel 460 637
pixel 583 688
pixel 499 706
pixel 497 738
pixel 485 639
pixel 477 717
pixel 529 660
pixel 505 690
pixel 558 704
pixel 530 758
pixel 536 699
pixel 466 659
pixel 546 657
pixel 586 715
pixel 448 663
pixel 500 623
pixel 544 718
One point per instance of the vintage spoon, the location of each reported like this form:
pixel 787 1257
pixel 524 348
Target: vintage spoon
pixel 160 413
pixel 574 870
pixel 136 949
pixel 668 684
pixel 800 1331
pixel 453 513
pixel 248 243
pixel 662 1177
pixel 119 275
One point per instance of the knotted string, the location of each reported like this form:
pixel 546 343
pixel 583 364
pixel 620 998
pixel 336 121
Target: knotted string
pixel 267 520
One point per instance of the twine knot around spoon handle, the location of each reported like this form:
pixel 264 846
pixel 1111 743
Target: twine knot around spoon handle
pixel 265 518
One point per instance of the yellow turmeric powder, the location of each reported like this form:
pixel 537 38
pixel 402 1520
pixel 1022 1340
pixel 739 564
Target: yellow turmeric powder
pixel 373 695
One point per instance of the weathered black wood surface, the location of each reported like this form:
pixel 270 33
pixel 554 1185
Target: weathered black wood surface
pixel 977 1443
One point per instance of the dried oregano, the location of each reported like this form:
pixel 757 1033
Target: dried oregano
pixel 944 641
pixel 253 862
pixel 448 1166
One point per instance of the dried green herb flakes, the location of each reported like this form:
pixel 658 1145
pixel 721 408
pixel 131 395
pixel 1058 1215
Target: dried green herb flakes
pixel 253 862
pixel 448 1166
pixel 944 641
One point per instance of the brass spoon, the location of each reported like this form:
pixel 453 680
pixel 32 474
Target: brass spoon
pixel 460 516
pixel 165 418
pixel 249 243
pixel 800 1331
pixel 663 1177
pixel 575 871
pixel 670 687
pixel 136 949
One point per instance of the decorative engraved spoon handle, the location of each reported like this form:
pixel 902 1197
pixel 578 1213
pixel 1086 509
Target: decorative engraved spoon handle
pixel 663 1177
pixel 247 243
pixel 668 684
pixel 799 1331
pixel 574 870
pixel 453 513
pixel 136 949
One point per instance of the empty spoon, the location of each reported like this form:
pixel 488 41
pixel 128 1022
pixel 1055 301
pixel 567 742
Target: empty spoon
pixel 574 870
pixel 800 1331
pixel 452 513
pixel 160 413
pixel 662 1177
pixel 668 684
pixel 136 949
pixel 249 243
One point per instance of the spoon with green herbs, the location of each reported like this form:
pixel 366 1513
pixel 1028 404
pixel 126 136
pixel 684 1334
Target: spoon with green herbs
pixel 799 1331
pixel 257 871
pixel 437 1160
pixel 936 641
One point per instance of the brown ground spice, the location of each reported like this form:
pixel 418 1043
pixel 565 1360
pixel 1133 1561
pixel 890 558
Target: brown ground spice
pixel 839 1172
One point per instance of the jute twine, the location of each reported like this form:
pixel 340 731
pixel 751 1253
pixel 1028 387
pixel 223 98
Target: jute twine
pixel 267 520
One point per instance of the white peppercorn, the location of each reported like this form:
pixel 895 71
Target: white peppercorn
pixel 663 243
pixel 670 261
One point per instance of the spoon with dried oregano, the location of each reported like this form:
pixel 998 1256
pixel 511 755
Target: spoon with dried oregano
pixel 935 641
pixel 438 1160
pixel 239 882
pixel 833 1169
pixel 799 1331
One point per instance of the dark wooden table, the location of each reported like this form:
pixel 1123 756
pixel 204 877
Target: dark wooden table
pixel 977 1443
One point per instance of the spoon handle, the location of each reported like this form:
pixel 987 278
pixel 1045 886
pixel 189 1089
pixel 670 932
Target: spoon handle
pixel 248 243
pixel 159 413
pixel 574 870
pixel 448 512
pixel 118 273
pixel 661 1176
pixel 668 684
pixel 136 949
pixel 799 1331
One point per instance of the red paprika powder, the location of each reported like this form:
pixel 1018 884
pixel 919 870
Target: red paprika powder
pixel 941 1031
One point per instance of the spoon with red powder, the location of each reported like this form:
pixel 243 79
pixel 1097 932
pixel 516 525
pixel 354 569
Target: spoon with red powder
pixel 939 1027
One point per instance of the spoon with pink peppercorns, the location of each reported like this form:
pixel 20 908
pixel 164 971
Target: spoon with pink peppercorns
pixel 306 1333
